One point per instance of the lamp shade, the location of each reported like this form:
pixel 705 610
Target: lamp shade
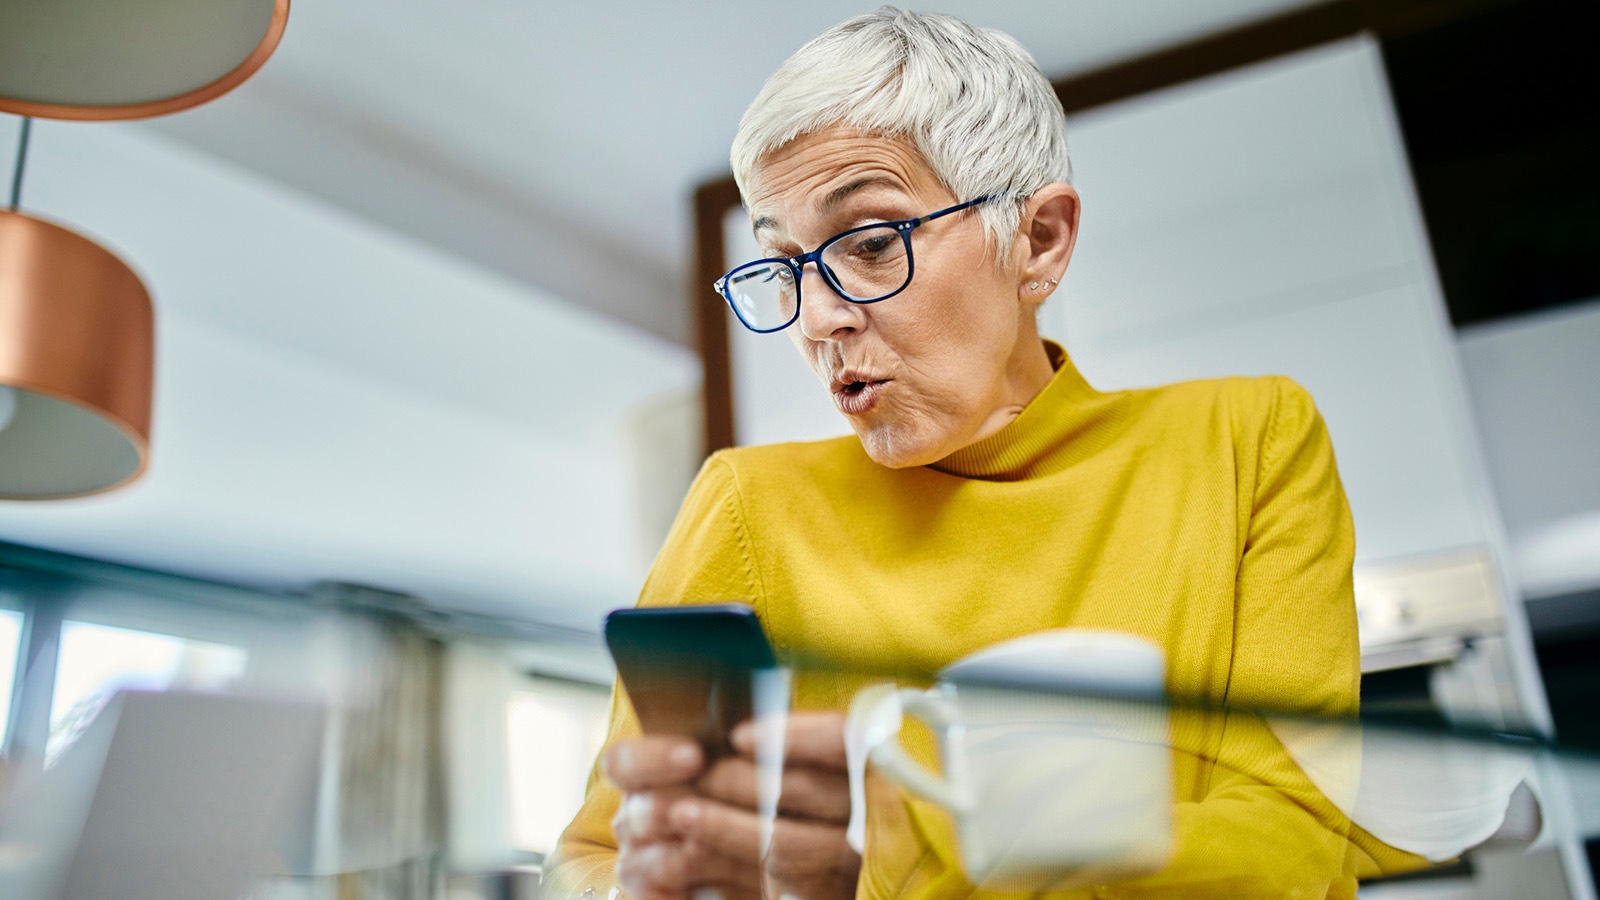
pixel 129 59
pixel 77 348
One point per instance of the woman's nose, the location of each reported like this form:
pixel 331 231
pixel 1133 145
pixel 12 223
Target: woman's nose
pixel 825 315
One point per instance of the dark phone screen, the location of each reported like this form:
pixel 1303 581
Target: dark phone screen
pixel 688 669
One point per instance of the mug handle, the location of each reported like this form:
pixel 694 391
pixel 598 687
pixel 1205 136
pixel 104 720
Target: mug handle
pixel 888 756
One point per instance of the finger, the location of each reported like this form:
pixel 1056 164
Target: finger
pixel 799 847
pixel 653 761
pixel 815 794
pixel 806 792
pixel 674 868
pixel 808 852
pixel 643 816
pixel 728 831
pixel 810 738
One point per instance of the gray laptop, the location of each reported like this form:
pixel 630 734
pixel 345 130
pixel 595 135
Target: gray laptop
pixel 166 796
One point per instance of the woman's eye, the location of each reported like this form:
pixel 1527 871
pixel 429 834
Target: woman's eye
pixel 876 243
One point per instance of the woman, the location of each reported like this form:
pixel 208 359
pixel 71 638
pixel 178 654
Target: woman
pixel 988 492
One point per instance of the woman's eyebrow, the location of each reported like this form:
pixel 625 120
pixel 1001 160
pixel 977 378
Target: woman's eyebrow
pixel 832 198
pixel 836 196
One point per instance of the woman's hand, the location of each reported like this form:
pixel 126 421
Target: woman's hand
pixel 809 857
pixel 684 830
pixel 655 861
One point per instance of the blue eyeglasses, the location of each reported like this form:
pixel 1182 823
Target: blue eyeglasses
pixel 862 265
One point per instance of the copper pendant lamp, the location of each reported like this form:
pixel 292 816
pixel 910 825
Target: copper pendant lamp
pixel 130 59
pixel 77 336
pixel 77 348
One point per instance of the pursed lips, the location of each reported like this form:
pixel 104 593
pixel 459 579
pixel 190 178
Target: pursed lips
pixel 856 393
pixel 851 378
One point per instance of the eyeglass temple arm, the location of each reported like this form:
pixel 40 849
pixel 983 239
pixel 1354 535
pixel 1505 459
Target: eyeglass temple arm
pixel 912 223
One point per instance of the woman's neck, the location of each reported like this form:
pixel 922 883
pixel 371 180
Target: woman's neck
pixel 1027 371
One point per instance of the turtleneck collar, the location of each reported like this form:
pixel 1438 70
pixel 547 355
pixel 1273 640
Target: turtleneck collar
pixel 1045 436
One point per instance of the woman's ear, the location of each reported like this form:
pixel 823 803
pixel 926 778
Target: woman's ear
pixel 1050 226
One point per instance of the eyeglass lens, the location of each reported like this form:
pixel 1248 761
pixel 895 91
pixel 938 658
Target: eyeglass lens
pixel 863 265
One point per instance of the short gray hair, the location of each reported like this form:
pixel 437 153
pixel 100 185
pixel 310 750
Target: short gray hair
pixel 971 100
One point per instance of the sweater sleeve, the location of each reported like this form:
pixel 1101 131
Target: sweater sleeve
pixel 1262 827
pixel 1295 645
pixel 706 559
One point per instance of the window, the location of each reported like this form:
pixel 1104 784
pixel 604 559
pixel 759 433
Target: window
pixel 553 731
pixel 96 661
pixel 10 650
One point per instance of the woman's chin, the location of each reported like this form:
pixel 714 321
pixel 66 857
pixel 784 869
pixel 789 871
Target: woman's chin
pixel 895 447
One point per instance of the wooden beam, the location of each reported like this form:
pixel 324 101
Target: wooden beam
pixel 1251 43
pixel 1280 35
pixel 712 201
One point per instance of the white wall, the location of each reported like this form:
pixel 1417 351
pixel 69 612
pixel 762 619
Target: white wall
pixel 1535 386
pixel 337 402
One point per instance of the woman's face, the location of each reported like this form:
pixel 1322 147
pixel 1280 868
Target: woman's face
pixel 946 362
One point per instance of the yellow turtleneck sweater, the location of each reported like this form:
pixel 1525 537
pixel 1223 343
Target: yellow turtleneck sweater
pixel 1206 516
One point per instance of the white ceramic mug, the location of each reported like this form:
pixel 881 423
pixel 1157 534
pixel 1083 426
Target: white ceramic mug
pixel 1056 757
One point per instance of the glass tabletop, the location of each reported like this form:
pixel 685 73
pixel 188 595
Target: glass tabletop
pixel 1006 781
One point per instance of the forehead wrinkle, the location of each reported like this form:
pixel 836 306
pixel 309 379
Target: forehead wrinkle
pixel 850 159
pixel 832 198
pixel 836 196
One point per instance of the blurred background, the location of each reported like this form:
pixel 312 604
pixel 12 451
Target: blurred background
pixel 436 359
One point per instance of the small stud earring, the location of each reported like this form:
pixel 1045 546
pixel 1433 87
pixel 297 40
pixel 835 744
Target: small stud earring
pixel 1034 286
pixel 1051 281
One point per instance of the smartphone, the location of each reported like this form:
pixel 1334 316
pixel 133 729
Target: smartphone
pixel 689 669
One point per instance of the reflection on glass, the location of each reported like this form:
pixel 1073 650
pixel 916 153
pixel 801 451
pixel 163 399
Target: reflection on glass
pixel 96 661
pixel 1017 788
pixel 1058 779
pixel 10 647
pixel 552 736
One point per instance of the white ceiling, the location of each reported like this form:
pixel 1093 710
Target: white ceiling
pixel 337 402
pixel 560 142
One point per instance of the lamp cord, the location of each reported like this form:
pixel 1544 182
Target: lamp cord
pixel 22 161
